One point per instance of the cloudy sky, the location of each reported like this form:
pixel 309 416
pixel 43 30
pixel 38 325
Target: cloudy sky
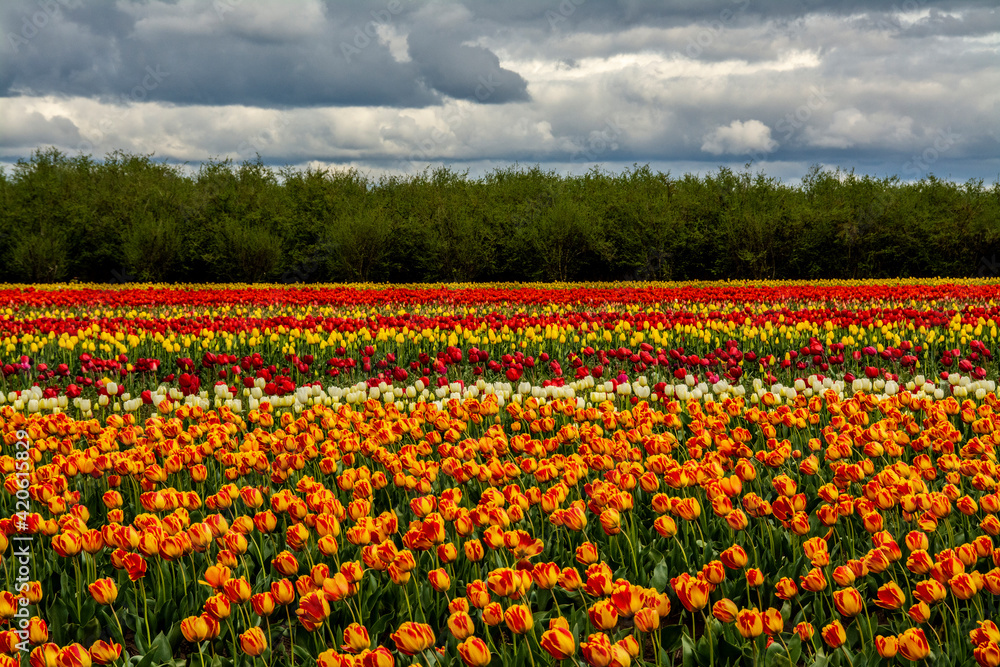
pixel 908 87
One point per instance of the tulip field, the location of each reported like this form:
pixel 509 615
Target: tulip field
pixel 772 474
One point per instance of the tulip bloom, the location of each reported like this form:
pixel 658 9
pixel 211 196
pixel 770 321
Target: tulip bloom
pixel 313 607
pixel 930 591
pixel 963 586
pixel 194 629
pixel 627 599
pixel 890 596
pixel 67 545
pixel 917 541
pixel 665 526
pixel 749 623
pixel 844 575
pixel 380 657
pixel 913 644
pixel 74 655
pixel 38 631
pixel 887 647
pixel 714 572
pixel 439 579
pixel 474 652
pixel 919 612
pixel 813 581
pixel 492 614
pixel 586 553
pixel 477 593
pixel 603 615
pixel 412 638
pixel 237 590
pixel 546 575
pixel 559 643
pixel 647 620
pixel 105 653
pixel 135 565
pixel 692 591
pixel 834 634
pixel 104 591
pixel 263 604
pixel 285 563
pixel 987 654
pixel 356 638
pixel 596 650
pixel 774 622
pixel 474 551
pixel 518 619
pixel 218 606
pixel 283 591
pixel 460 625
pixel 986 632
pixel 734 557
pixel 848 602
pixel 46 655
pixel 253 642
pixel 786 588
pixel 725 610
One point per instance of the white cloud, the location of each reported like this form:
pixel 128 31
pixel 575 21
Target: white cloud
pixel 739 137
pixel 392 38
pixel 606 86
pixel 851 127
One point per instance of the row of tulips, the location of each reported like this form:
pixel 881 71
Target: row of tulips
pixel 682 512
pixel 284 539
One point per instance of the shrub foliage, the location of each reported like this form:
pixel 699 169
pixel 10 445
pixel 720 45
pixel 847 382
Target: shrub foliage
pixel 130 217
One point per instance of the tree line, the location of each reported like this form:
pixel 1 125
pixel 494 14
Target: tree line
pixel 130 217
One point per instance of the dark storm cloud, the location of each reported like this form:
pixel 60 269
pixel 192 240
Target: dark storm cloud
pixel 220 56
pixel 465 72
pixel 888 86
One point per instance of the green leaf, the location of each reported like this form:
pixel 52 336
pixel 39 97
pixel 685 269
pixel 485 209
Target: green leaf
pixel 140 638
pixel 87 633
pixel 795 648
pixel 670 637
pixel 174 636
pixel 661 574
pixel 777 656
pixel 688 651
pixel 108 622
pixel 161 648
pixel 303 653
pixel 58 618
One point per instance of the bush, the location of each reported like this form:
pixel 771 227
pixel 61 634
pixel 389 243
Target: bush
pixel 63 217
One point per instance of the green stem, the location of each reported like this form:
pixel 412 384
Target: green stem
pixel 291 637
pixel 145 612
pixel 121 632
pixel 711 647
pixel 232 632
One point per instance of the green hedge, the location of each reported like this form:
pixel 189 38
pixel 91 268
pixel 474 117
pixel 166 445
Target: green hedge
pixel 130 217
